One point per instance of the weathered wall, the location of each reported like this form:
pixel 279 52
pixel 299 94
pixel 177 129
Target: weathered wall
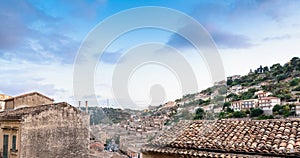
pixel 9 104
pixel 31 100
pixel 57 132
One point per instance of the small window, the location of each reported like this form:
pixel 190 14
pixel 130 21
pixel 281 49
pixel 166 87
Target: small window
pixel 14 143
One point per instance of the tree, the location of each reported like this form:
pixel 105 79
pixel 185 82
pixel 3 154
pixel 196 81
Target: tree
pixel 266 69
pixel 239 114
pixel 286 110
pixel 256 112
pixel 199 114
pixel 229 82
pixel 294 61
pixel 226 105
pixel 281 77
pixel 276 67
pixel 229 110
pixel 295 82
pixel 222 115
pixel 277 109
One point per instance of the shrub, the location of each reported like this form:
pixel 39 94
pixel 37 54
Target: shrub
pixel 239 114
pixel 256 112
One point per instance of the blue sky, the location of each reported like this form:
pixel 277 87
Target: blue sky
pixel 39 41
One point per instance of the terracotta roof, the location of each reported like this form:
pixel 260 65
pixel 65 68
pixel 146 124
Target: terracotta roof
pixel 19 113
pixel 31 93
pixel 279 138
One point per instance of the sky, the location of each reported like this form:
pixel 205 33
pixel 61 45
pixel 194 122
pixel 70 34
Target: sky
pixel 40 42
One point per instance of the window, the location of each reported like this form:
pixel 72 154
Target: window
pixel 5 146
pixel 14 143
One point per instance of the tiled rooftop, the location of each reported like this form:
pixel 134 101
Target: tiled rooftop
pixel 235 137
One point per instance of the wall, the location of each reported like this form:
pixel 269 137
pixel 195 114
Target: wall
pixel 31 100
pixel 9 104
pixel 57 132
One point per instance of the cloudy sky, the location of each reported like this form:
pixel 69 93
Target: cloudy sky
pixel 40 41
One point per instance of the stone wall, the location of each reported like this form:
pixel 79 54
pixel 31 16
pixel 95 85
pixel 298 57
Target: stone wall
pixel 60 131
pixel 31 99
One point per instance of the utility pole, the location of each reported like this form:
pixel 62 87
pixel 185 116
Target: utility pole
pixel 107 103
pixel 86 107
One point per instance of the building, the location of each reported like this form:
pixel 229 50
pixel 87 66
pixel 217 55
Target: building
pixel 227 138
pixel 267 104
pixel 27 100
pixel 51 130
pixel 227 99
pixel 236 105
pixel 220 83
pixel 244 104
pixel 3 97
pixel 234 77
pixel 298 109
pixel 249 103
pixel 262 94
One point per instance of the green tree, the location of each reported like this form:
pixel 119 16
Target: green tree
pixel 199 114
pixel 239 114
pixel 226 105
pixel 266 69
pixel 295 82
pixel 256 112
pixel 286 110
pixel 229 82
pixel 277 109
pixel 222 115
pixel 281 77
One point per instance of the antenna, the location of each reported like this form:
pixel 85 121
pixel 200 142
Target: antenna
pixel 86 106
pixel 107 103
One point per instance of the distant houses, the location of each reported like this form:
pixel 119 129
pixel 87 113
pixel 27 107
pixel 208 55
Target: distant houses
pixel 264 101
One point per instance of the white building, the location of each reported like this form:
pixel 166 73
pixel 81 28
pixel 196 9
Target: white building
pixel 262 94
pixel 244 104
pixel 250 103
pixel 267 104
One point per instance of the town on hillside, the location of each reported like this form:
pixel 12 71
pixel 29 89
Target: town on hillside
pixel 256 115
pixel 243 116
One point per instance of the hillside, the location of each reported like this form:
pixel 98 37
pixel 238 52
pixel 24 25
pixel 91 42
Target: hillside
pixel 281 81
pixel 99 115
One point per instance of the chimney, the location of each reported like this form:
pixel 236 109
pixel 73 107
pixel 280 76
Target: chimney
pixel 79 102
pixel 86 106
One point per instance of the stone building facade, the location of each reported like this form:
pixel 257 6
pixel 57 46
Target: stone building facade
pixel 52 130
pixel 27 100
